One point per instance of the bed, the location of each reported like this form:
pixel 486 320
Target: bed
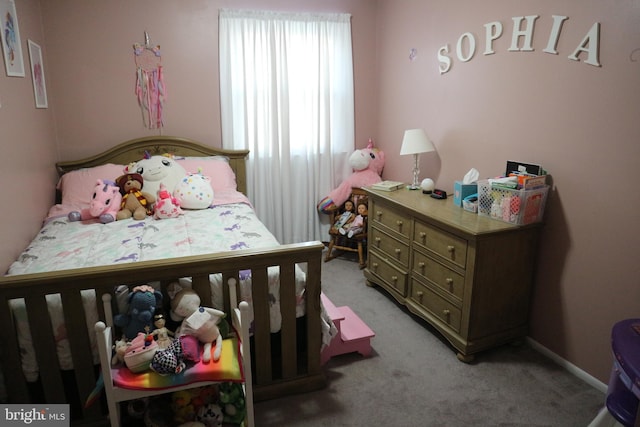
pixel 52 358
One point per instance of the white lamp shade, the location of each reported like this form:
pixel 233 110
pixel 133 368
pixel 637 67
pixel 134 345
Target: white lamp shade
pixel 416 141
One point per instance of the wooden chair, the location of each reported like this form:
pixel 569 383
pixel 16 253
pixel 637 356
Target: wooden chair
pixel 342 243
pixel 116 394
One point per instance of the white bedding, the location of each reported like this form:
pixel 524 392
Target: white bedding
pixel 62 244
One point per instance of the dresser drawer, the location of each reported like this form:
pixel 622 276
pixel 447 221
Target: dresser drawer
pixel 440 242
pixel 436 305
pixel 389 246
pixel 393 219
pixel 390 274
pixel 441 276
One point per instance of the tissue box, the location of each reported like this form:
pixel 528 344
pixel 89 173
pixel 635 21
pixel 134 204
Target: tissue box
pixel 460 191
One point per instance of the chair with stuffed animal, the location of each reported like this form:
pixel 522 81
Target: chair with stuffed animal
pixel 134 380
pixel 348 232
pixel 367 164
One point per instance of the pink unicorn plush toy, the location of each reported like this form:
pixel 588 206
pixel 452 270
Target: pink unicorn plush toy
pixel 367 165
pixel 104 204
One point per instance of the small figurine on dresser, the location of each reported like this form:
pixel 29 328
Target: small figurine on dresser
pixel 345 218
pixel 356 226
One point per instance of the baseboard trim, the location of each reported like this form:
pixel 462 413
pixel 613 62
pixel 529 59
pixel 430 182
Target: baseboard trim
pixel 568 366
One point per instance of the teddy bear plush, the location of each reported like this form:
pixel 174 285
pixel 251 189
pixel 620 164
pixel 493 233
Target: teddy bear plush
pixel 201 322
pixel 143 301
pixel 367 165
pixel 135 202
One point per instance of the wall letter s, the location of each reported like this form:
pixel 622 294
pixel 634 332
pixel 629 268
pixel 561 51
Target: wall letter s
pixel 445 61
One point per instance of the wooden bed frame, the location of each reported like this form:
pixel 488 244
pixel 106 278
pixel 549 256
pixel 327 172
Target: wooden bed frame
pixel 285 363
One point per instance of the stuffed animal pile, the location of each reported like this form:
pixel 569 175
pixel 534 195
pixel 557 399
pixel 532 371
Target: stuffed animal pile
pixel 367 165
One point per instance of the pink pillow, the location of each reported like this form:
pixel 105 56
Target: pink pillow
pixel 77 186
pixel 217 168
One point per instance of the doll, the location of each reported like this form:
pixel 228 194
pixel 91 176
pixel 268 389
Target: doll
pixel 161 332
pixel 357 225
pixel 346 217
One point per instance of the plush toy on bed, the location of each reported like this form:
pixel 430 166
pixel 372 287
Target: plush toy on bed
pixel 135 203
pixel 156 170
pixel 143 301
pixel 104 204
pixel 166 206
pixel 367 165
pixel 201 322
pixel 194 191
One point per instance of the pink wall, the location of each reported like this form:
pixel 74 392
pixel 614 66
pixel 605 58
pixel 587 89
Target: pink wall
pixel 97 74
pixel 28 145
pixel 579 121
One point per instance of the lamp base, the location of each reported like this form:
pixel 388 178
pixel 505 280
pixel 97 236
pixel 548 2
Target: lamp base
pixel 413 187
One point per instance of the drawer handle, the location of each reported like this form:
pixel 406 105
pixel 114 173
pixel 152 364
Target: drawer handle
pixel 423 236
pixel 379 214
pixel 399 224
pixel 421 266
pixel 398 251
pixel 451 249
pixel 377 240
pixel 374 265
pixel 449 281
pixel 394 278
pixel 420 294
pixel 447 314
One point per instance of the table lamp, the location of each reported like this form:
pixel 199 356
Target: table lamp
pixel 415 141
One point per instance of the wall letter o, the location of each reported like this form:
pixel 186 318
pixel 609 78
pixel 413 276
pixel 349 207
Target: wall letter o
pixel 472 47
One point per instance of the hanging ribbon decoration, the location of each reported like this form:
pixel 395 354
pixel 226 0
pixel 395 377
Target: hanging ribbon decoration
pixel 150 89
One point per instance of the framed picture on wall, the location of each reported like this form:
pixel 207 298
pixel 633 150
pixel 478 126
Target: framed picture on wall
pixel 37 75
pixel 11 42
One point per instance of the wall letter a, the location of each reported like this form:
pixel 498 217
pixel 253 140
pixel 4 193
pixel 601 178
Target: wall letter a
pixel 591 45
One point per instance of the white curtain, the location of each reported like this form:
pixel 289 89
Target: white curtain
pixel 286 91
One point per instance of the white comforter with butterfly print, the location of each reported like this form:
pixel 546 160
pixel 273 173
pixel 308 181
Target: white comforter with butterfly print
pixel 62 244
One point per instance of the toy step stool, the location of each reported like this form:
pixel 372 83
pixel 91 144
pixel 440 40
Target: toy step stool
pixel 354 336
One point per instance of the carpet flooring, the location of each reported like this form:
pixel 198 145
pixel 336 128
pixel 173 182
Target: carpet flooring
pixel 413 377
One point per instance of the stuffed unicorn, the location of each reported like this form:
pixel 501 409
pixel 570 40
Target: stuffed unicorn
pixel 156 170
pixel 367 164
pixel 104 204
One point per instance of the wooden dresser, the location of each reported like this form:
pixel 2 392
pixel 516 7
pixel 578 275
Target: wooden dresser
pixel 468 276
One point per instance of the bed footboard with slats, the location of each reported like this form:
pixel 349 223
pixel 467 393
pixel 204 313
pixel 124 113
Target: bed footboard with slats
pixel 285 362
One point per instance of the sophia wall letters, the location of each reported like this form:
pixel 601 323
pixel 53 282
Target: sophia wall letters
pixel 521 41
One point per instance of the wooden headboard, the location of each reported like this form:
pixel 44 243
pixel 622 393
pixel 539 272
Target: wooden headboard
pixel 134 150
